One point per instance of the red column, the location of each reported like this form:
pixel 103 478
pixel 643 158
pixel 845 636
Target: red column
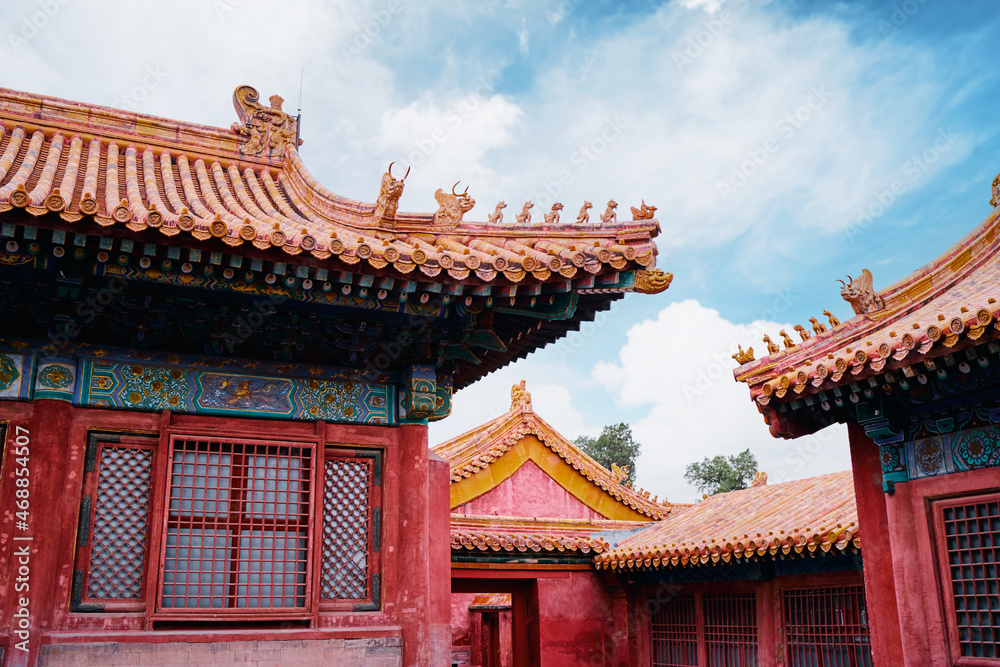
pixel 36 560
pixel 439 539
pixel 412 582
pixel 880 580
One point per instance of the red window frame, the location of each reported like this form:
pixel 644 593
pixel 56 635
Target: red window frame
pixel 730 621
pixel 674 629
pixel 948 586
pixel 87 532
pixel 827 627
pixel 371 460
pixel 244 527
pixel 365 595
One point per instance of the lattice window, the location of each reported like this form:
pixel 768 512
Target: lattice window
pixel 731 629
pixel 113 533
pixel 119 533
pixel 971 537
pixel 347 528
pixel 236 531
pixel 827 627
pixel 674 630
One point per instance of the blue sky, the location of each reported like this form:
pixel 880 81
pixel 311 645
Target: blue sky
pixel 786 146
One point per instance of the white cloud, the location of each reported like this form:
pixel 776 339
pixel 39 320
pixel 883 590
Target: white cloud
pixel 678 366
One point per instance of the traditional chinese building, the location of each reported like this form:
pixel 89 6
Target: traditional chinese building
pixel 556 561
pixel 529 511
pixel 768 576
pixel 914 374
pixel 216 376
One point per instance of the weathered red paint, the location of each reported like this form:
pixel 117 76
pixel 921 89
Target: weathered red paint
pixel 414 554
pixel 880 581
pixel 529 492
pixel 646 601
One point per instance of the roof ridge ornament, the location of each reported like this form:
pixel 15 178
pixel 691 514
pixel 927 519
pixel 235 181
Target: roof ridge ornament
pixel 995 201
pixel 861 295
pixel 520 398
pixel 387 203
pixel 644 212
pixel 452 206
pixel 263 131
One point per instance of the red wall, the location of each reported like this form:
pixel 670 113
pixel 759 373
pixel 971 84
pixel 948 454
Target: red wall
pixel 529 492
pixel 414 554
pixel 903 575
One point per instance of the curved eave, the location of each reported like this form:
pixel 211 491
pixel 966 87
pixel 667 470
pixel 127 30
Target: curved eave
pixel 946 306
pixel 91 164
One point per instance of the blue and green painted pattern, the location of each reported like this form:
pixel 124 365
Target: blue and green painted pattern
pixel 335 395
pixel 138 386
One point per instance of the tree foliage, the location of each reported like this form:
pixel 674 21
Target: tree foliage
pixel 718 474
pixel 614 445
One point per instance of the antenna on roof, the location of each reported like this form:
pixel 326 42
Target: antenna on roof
pixel 298 114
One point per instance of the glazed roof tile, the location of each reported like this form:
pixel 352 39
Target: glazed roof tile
pixel 116 169
pixel 490 601
pixel 809 516
pixel 513 534
pixel 479 448
pixel 946 306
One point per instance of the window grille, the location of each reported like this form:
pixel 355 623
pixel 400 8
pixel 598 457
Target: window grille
pixel 236 531
pixel 674 630
pixel 731 629
pixel 972 546
pixel 112 537
pixel 347 528
pixel 827 627
pixel 119 532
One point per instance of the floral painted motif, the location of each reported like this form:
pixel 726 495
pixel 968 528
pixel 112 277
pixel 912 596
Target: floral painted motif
pixel 55 377
pixel 8 372
pixel 978 447
pixel 889 455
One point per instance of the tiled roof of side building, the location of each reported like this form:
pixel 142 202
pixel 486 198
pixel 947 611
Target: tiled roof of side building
pixel 807 517
pixel 476 453
pixel 940 309
pixel 514 534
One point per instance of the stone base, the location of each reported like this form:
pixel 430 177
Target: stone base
pixel 371 652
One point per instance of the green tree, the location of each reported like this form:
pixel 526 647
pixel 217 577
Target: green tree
pixel 614 445
pixel 718 474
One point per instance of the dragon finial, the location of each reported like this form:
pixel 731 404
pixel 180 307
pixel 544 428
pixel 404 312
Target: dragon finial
pixel 860 294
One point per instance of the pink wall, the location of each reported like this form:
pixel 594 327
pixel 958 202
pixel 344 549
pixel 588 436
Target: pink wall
pixel 529 492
